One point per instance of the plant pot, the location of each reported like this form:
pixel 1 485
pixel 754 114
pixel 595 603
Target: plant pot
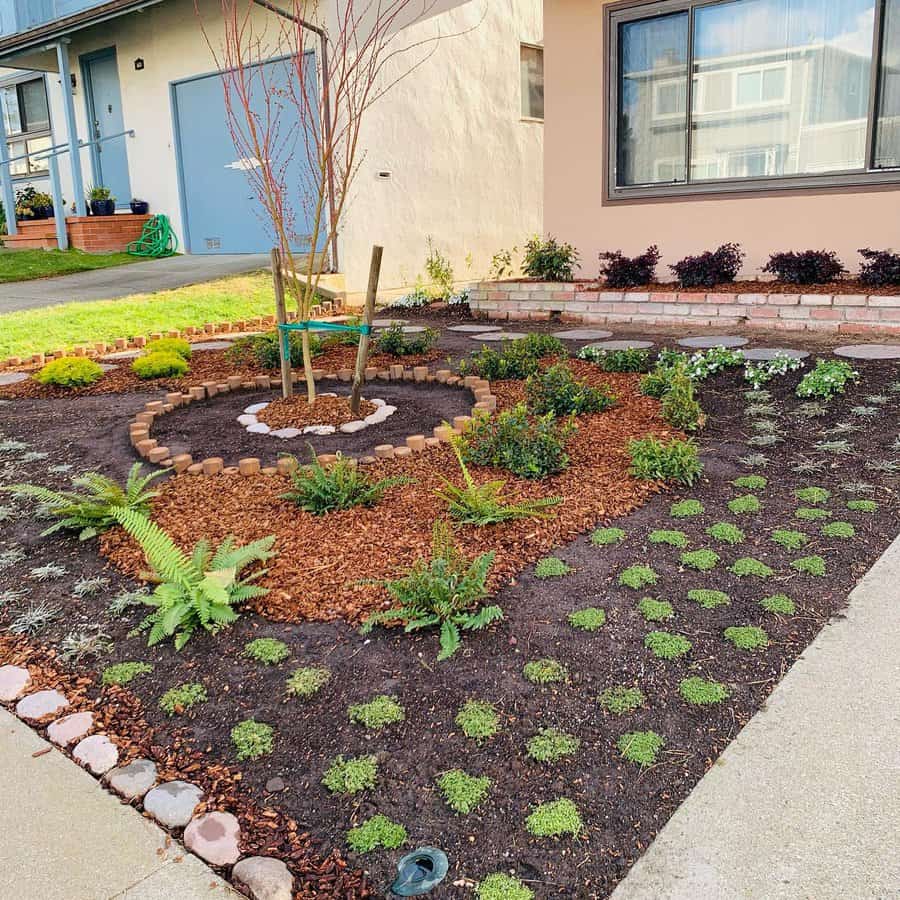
pixel 103 207
pixel 140 207
pixel 42 212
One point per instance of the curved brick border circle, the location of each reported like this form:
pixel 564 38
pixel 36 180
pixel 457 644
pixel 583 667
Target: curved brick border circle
pixel 707 342
pixel 764 354
pixel 869 351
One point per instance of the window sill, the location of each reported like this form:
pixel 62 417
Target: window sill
pixel 532 120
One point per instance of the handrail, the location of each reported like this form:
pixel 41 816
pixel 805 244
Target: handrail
pixel 60 149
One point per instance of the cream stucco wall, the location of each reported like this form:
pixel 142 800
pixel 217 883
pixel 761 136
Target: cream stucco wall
pixel 574 178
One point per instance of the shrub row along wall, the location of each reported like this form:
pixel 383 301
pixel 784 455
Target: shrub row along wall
pixel 583 302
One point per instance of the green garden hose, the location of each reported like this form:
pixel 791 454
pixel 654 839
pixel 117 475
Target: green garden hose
pixel 157 239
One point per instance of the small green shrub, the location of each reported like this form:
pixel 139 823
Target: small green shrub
pixel 750 482
pixel 602 537
pixel 828 379
pixel 747 637
pixel 252 739
pixel 665 645
pixel 700 692
pixel 160 365
pixel 620 699
pixel 551 567
pixel 628 360
pixel 841 530
pixel 709 599
pixel 655 610
pixel 550 745
pixel 866 506
pixel 500 886
pixel 810 565
pixel 686 509
pixel 124 673
pixel 350 776
pixel 790 540
pixel 554 819
pixel 701 560
pixel 557 391
pixel 637 577
pixel 179 346
pixel 395 342
pixel 589 619
pixel 268 651
pixel 779 604
pixel 679 406
pixel 178 700
pixel 746 567
pixel 478 720
pixel 672 538
pixel 676 460
pixel 306 682
pixel 263 349
pixel 744 505
pixel 641 747
pixel 812 513
pixel 379 831
pixel 814 496
pixel 70 371
pixel 549 260
pixel 463 792
pixel 515 360
pixel 544 671
pixel 378 713
pixel 726 533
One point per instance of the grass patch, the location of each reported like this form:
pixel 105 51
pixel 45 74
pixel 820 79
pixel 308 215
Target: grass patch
pixel 810 565
pixel 700 692
pixel 790 540
pixel 588 619
pixel 672 538
pixel 813 496
pixel 708 599
pixel 779 604
pixel 544 671
pixel 665 645
pixel 745 505
pixel 124 673
pixel 750 482
pixel 379 831
pixel 748 567
pixel 842 530
pixel 551 567
pixel 603 537
pixel 268 651
pixel 307 682
pixel 554 819
pixel 350 776
pixel 252 739
pixel 550 745
pixel 747 637
pixel 463 792
pixel 686 509
pixel 378 713
pixel 641 747
pixel 620 699
pixel 866 506
pixel 178 700
pixel 726 533
pixel 812 513
pixel 26 265
pixel 638 577
pixel 701 560
pixel 478 720
pixel 655 610
pixel 500 886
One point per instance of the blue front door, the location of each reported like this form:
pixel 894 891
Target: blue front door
pixel 109 160
pixel 222 214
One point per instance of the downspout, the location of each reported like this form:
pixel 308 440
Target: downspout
pixel 326 109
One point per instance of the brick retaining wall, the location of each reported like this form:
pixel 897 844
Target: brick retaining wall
pixel 582 302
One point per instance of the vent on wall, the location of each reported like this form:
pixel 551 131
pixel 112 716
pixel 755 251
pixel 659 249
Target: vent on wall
pixel 213 243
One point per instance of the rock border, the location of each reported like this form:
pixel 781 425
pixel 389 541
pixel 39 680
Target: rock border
pixel 248 419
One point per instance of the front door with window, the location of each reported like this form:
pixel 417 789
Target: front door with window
pixel 109 160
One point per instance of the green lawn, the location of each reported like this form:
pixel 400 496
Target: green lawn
pixel 25 265
pixel 57 327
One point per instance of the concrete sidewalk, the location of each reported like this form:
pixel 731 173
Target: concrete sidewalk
pixel 805 803
pixel 122 281
pixel 63 837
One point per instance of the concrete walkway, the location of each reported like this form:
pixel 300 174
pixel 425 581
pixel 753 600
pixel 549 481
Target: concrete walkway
pixel 805 803
pixel 63 837
pixel 121 281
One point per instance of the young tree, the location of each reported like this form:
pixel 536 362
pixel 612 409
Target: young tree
pixel 296 124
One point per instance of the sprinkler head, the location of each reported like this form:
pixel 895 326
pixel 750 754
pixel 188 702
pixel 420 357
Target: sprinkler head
pixel 419 872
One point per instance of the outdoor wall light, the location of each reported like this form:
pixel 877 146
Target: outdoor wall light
pixel 138 64
pixel 419 872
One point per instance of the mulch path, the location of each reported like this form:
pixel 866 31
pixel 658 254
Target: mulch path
pixel 297 412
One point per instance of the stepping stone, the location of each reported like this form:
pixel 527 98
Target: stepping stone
pixel 97 752
pixel 124 354
pixel 40 705
pixel 386 323
pixel 353 427
pixel 133 780
pixel 320 430
pixel 276 784
pixel 285 433
pixel 764 354
pixel 582 334
pixel 214 838
pixel 259 428
pixel 212 345
pixel 477 329
pixel 107 367
pixel 499 336
pixel 13 682
pixel 254 408
pixel 265 878
pixel 377 402
pixel 412 329
pixel 12 377
pixel 707 342
pixel 172 804
pixel 622 345
pixel 869 351
pixel 70 728
pixel 246 419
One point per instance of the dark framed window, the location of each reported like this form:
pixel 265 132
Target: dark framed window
pixel 531 59
pixel 26 115
pixel 711 96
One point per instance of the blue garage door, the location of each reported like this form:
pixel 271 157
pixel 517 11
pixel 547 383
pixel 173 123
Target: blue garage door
pixel 221 211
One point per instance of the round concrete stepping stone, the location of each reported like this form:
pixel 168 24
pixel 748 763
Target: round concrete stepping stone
pixel 386 323
pixel 764 354
pixel 265 878
pixel 707 342
pixel 499 336
pixel 582 334
pixel 13 682
pixel 259 428
pixel 13 377
pixel 107 367
pixel 622 345
pixel 133 780
pixel 97 752
pixel 123 354
pixel 212 345
pixel 40 705
pixel 214 838
pixel 254 408
pixel 412 329
pixel 172 804
pixel 869 351
pixel 70 728
pixel 476 329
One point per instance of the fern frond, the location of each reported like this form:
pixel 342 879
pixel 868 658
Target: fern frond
pixel 167 561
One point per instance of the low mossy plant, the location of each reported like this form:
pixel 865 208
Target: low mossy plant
pixel 747 637
pixel 603 537
pixel 551 567
pixel 840 530
pixel 178 700
pixel 554 819
pixel 478 720
pixel 779 604
pixel 638 577
pixel 673 538
pixel 750 482
pixel 810 565
pixel 641 747
pixel 701 560
pixel 865 506
pixel 708 599
pixel 268 651
pixel 307 681
pixel 463 792
pixel 654 610
pixel 160 365
pixel 665 645
pixel 252 739
pixel 702 692
pixel 544 671
pixel 379 831
pixel 500 886
pixel 589 619
pixel 726 533
pixel 790 540
pixel 812 496
pixel 622 699
pixel 377 713
pixel 812 513
pixel 351 776
pixel 70 371
pixel 744 505
pixel 676 461
pixel 748 567
pixel 686 509
pixel 124 673
pixel 550 745
pixel 169 345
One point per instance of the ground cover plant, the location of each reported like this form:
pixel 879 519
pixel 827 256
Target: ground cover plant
pixel 676 460
pixel 556 391
pixel 463 792
pixel 70 371
pixel 621 271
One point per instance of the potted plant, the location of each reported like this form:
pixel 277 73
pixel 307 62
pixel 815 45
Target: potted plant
pixel 139 207
pixel 42 206
pixel 25 202
pixel 102 202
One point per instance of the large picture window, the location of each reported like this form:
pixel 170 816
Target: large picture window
pixel 26 116
pixel 752 94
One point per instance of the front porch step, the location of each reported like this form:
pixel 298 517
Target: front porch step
pixel 29 242
pixel 94 234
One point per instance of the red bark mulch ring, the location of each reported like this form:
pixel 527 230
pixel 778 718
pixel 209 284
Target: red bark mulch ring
pixel 297 412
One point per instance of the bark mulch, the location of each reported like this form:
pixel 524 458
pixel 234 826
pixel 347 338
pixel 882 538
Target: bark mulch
pixel 844 286
pixel 297 412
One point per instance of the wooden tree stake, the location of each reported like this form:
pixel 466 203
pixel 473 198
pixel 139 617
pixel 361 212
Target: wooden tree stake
pixel 362 354
pixel 284 338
